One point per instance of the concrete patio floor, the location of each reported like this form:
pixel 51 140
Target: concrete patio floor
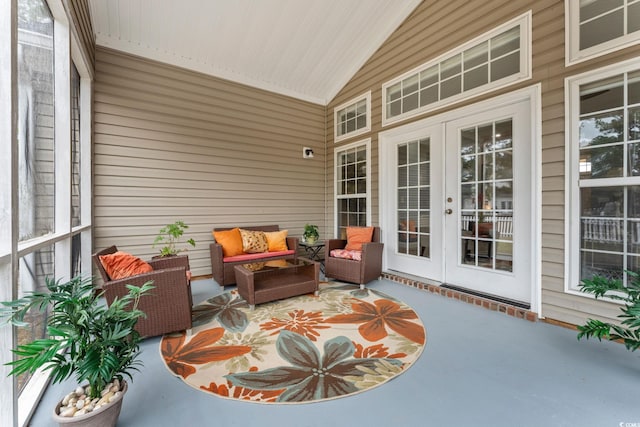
pixel 479 368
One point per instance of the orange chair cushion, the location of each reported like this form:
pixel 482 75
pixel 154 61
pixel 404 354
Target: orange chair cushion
pixel 356 236
pixel 230 240
pixel 277 240
pixel 121 264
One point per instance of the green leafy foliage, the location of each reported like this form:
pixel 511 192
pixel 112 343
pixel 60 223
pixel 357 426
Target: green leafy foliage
pixel 628 331
pixel 310 232
pixel 86 338
pixel 169 236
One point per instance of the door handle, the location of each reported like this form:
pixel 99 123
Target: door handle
pixel 449 211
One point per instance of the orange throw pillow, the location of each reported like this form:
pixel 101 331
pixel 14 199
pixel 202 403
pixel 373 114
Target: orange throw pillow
pixel 230 240
pixel 277 240
pixel 356 236
pixel 121 264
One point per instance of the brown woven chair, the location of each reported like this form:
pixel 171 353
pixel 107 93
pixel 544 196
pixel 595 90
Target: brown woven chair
pixel 348 270
pixel 167 306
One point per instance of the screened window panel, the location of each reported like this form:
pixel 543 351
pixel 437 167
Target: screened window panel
pixel 36 171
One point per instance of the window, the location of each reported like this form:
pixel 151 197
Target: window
pixel 353 183
pixel 45 168
pixel 496 59
pixel 596 27
pixel 605 165
pixel 353 118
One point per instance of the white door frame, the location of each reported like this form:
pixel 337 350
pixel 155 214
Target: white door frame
pixel 531 94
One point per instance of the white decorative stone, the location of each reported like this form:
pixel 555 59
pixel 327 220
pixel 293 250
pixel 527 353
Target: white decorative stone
pixel 79 390
pixel 68 412
pixel 105 398
pixel 80 404
pixel 68 398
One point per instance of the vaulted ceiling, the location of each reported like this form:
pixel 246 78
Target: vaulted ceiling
pixel 308 49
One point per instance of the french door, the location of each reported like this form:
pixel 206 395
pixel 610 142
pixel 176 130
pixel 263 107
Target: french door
pixel 414 230
pixel 488 202
pixel 457 201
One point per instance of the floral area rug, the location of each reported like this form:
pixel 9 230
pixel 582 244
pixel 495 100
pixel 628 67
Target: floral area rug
pixel 298 350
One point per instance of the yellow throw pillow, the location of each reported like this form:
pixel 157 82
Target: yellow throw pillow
pixel 277 240
pixel 254 242
pixel 231 241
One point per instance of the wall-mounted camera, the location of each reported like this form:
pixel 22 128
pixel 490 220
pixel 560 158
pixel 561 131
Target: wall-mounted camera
pixel 307 153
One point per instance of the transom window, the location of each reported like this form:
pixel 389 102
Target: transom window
pixel 497 58
pixel 597 27
pixel 606 167
pixel 353 118
pixel 352 186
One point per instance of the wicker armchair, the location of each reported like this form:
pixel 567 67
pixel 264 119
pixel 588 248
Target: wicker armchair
pixel 168 305
pixel 360 272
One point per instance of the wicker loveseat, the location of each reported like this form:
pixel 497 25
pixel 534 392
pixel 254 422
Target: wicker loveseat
pixel 222 267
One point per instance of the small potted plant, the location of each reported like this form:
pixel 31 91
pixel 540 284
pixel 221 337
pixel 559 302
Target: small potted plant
pixel 87 339
pixel 310 234
pixel 169 236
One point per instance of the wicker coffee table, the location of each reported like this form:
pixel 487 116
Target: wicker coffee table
pixel 273 280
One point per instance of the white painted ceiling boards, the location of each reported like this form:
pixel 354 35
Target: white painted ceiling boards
pixel 308 49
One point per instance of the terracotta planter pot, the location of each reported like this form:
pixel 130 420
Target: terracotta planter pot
pixel 105 416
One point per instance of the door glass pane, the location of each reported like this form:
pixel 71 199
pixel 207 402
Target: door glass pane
pixel 35 120
pixel 414 198
pixel 486 200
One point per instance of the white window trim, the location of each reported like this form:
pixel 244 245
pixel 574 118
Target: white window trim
pixel 524 21
pixel 573 54
pixel 338 150
pixel 358 132
pixel 572 173
pixel 8 170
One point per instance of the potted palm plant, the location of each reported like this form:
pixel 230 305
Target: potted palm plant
pixel 87 339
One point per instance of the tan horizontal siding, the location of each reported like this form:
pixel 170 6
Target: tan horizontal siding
pixel 173 144
pixel 437 27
